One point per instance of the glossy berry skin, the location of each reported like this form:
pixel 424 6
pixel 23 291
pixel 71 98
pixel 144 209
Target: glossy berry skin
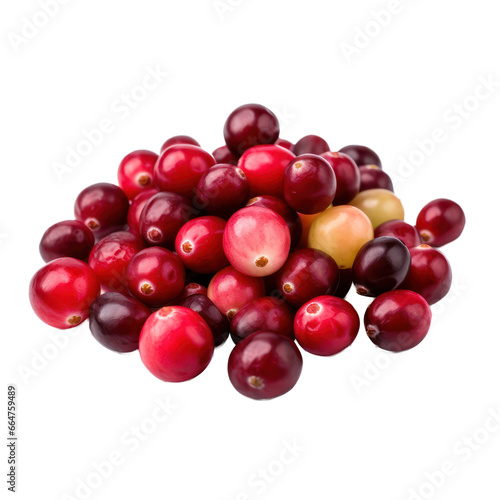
pixel 180 167
pixel 116 321
pixel 162 217
pixel 216 321
pixel 265 313
pixel 380 266
pixel 69 238
pixel 256 241
pixel 326 325
pixel 373 177
pixel 192 289
pixel 62 292
pixel 231 290
pixel 407 233
pixel 362 155
pixel 440 222
pixel 311 144
pixel 264 365
pixel 179 139
pixel 155 276
pixel 223 155
pixel 103 208
pixel 380 205
pixel 429 275
pixel 248 126
pixel 345 283
pixel 264 167
pixel 176 344
pixel 284 144
pixel 222 190
pixel 135 172
pixel 398 320
pixel 309 184
pixel 291 217
pixel 306 274
pixel 199 245
pixel 347 176
pixel 135 210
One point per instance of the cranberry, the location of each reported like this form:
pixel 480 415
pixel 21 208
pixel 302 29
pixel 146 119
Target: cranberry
pixel 373 177
pixel 250 125
pixel 440 222
pixel 380 266
pixel 230 290
pixel 284 144
pixel 362 155
pixel 265 313
pixel 309 184
pixel 264 167
pixel 311 144
pixel 407 233
pixel 429 274
pixel 176 344
pixel 155 276
pixel 135 173
pixel 103 208
pixel 306 220
pixel 162 217
pixel 345 283
pixel 179 139
pixel 216 321
pixel 62 292
pixel 265 365
pixel 347 176
pixel 306 274
pixel 222 190
pixel 398 320
pixel 180 167
pixel 326 325
pixel 135 210
pixel 256 241
pixel 69 238
pixel 291 217
pixel 199 245
pixel 116 321
pixel 380 205
pixel 192 289
pixel 223 155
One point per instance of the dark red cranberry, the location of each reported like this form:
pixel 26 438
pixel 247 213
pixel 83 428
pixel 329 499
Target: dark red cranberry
pixel 250 125
pixel 311 144
pixel 347 175
pixel 345 283
pixel 179 139
pixel 398 320
pixel 373 177
pixel 284 144
pixel 362 155
pixel 116 321
pixel 69 238
pixel 192 289
pixel 407 233
pixel 103 208
pixel 135 210
pixel 223 155
pixel 380 266
pixel 135 172
pixel 264 365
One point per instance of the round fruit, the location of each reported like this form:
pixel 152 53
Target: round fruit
pixel 345 283
pixel 284 144
pixel 192 289
pixel 362 155
pixel 347 175
pixel 311 144
pixel 407 233
pixel 179 139
pixel 135 210
pixel 380 205
pixel 223 155
pixel 373 177
pixel 135 172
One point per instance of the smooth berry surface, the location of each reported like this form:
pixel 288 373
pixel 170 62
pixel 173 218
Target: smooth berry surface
pixel 373 177
pixel 224 155
pixel 179 139
pixel 135 210
pixel 347 176
pixel 284 144
pixel 362 155
pixel 192 289
pixel 407 233
pixel 135 172
pixel 311 144
pixel 380 205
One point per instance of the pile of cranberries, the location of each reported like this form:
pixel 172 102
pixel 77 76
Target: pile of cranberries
pixel 260 240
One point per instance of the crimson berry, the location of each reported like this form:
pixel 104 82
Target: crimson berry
pixel 373 177
pixel 135 210
pixel 347 176
pixel 284 144
pixel 179 139
pixel 362 155
pixel 407 233
pixel 135 172
pixel 192 289
pixel 311 144
pixel 223 155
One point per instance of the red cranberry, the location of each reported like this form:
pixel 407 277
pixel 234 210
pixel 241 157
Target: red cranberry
pixel 223 155
pixel 179 139
pixel 380 266
pixel 265 365
pixel 162 217
pixel 429 274
pixel 440 222
pixel 345 283
pixel 264 167
pixel 373 177
pixel 62 292
pixel 309 184
pixel 199 245
pixel 180 167
pixel 116 321
pixel 135 210
pixel 192 289
pixel 265 313
pixel 256 241
pixel 155 276
pixel 70 238
pixel 248 126
pixel 222 190
pixel 347 175
pixel 311 144
pixel 230 290
pixel 407 233
pixel 326 325
pixel 176 344
pixel 103 208
pixel 362 155
pixel 284 144
pixel 398 320
pixel 135 173
pixel 216 321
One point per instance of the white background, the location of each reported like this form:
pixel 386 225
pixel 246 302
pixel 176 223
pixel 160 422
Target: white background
pixel 361 431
